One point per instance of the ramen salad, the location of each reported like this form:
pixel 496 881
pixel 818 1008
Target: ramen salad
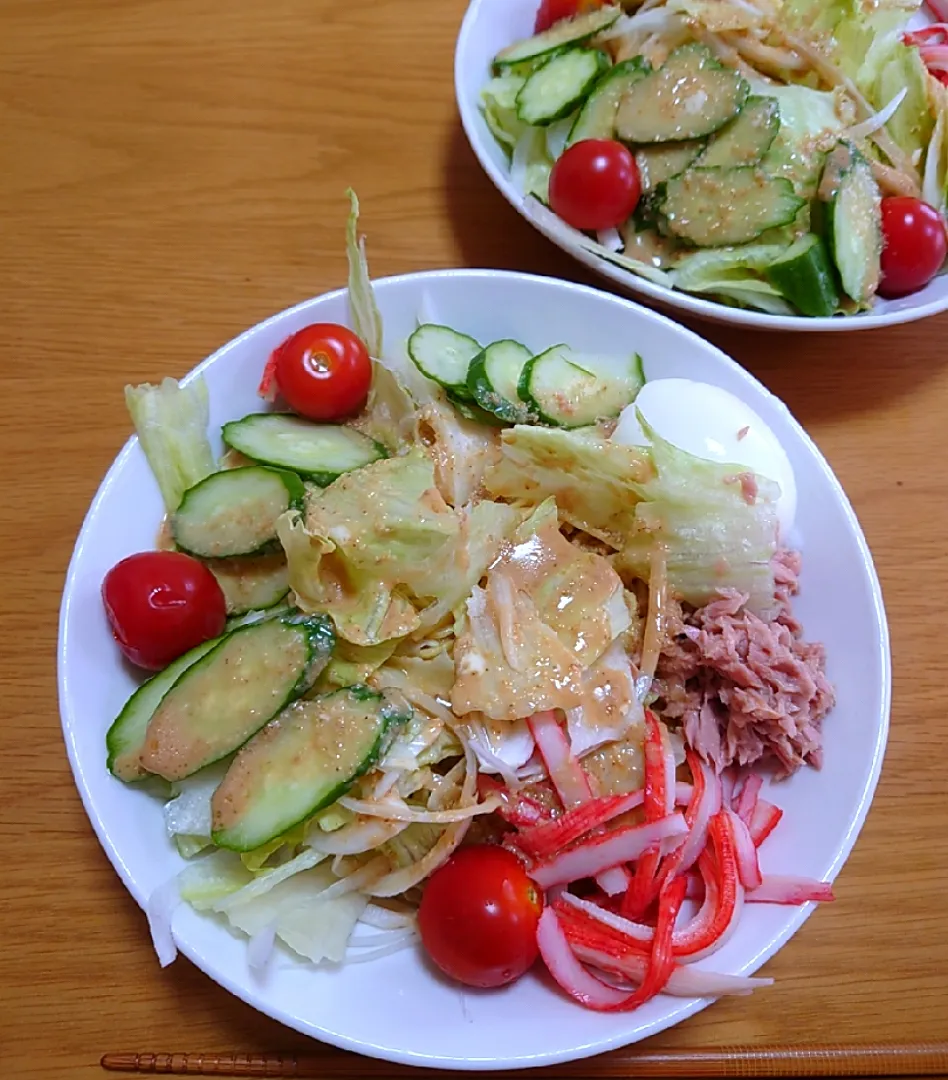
pixel 789 156
pixel 477 644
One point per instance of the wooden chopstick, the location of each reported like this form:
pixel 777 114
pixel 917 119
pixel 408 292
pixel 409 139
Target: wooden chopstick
pixel 910 1059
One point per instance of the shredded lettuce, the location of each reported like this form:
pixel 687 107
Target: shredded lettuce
pixel 594 481
pixel 810 125
pixel 735 273
pixel 531 165
pixel 188 813
pixel 211 879
pixel 352 664
pixel 717 523
pixel 171 420
pixel 935 183
pixel 888 67
pixel 461 450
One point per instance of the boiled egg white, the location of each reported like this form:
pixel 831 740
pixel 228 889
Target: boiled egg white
pixel 712 424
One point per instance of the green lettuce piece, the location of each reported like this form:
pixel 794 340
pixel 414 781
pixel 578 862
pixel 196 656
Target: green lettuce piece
pixel 255 860
pixel 211 879
pixel 314 928
pixel 363 310
pixel 375 544
pixel 499 104
pixel 595 482
pixel 718 532
pixel 351 664
pixel 460 449
pixel 935 182
pixel 171 420
pixel 705 270
pixel 809 127
pixel 889 68
pixel 531 164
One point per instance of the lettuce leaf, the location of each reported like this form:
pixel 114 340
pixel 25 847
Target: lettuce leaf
pixel 595 482
pixel 313 928
pixel 171 420
pixel 211 879
pixel 499 104
pixel 718 532
pixel 363 310
pixel 375 544
pixel 188 813
pixel 549 610
pixel 531 165
pixel 461 450
pixel 810 125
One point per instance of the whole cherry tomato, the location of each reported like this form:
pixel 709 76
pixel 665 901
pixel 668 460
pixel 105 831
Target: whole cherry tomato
pixel 478 917
pixel 160 604
pixel 323 371
pixel 595 184
pixel 914 245
pixel 553 11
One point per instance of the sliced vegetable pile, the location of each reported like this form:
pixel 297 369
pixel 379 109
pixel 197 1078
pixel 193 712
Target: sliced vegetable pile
pixel 407 644
pixel 790 157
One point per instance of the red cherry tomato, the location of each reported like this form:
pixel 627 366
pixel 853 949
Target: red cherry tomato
pixel 553 11
pixel 914 245
pixel 478 917
pixel 160 604
pixel 595 184
pixel 323 371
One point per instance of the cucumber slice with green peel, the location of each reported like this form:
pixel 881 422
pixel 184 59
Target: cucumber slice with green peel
pixel 572 390
pixel 662 161
pixel 224 698
pixel 556 88
pixel 494 379
pixel 444 355
pixel 470 410
pixel 253 583
pixel 804 275
pixel 690 96
pixel 565 34
pixel 746 139
pixel 303 760
pixel 318 452
pixel 235 512
pixel 597 118
pixel 853 221
pixel 720 207
pixel 126 737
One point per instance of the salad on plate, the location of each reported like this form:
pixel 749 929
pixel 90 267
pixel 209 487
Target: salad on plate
pixel 787 156
pixel 483 645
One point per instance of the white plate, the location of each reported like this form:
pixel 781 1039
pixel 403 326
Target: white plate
pixel 396 1008
pixel 488 26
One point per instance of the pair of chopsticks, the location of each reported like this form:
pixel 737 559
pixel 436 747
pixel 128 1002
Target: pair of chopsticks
pixel 910 1059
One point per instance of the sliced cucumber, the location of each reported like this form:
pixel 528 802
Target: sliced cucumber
pixel 597 118
pixel 126 737
pixel 494 377
pixel 662 161
pixel 690 96
pixel 318 452
pixel 235 512
pixel 252 584
pixel 719 207
pixel 853 221
pixel 233 690
pixel 572 390
pixel 556 88
pixel 302 761
pixel 746 139
pixel 444 355
pixel 804 275
pixel 565 34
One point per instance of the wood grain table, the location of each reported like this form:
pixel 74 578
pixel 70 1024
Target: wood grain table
pixel 172 171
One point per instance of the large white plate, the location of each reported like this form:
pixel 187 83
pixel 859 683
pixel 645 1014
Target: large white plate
pixel 396 1008
pixel 488 26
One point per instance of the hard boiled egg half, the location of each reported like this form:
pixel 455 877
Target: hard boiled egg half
pixel 712 424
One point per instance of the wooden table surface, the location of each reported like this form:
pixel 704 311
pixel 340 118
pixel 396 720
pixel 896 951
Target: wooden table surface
pixel 172 171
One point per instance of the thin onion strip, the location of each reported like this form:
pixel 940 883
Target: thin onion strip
pixel 392 811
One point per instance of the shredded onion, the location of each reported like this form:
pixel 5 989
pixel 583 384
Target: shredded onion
pixel 383 918
pixel 367 875
pixel 385 937
pixel 655 619
pixel 260 947
pixel 160 909
pixel 879 119
pixel 357 837
pixel 401 811
pixel 377 954
pixel 610 239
